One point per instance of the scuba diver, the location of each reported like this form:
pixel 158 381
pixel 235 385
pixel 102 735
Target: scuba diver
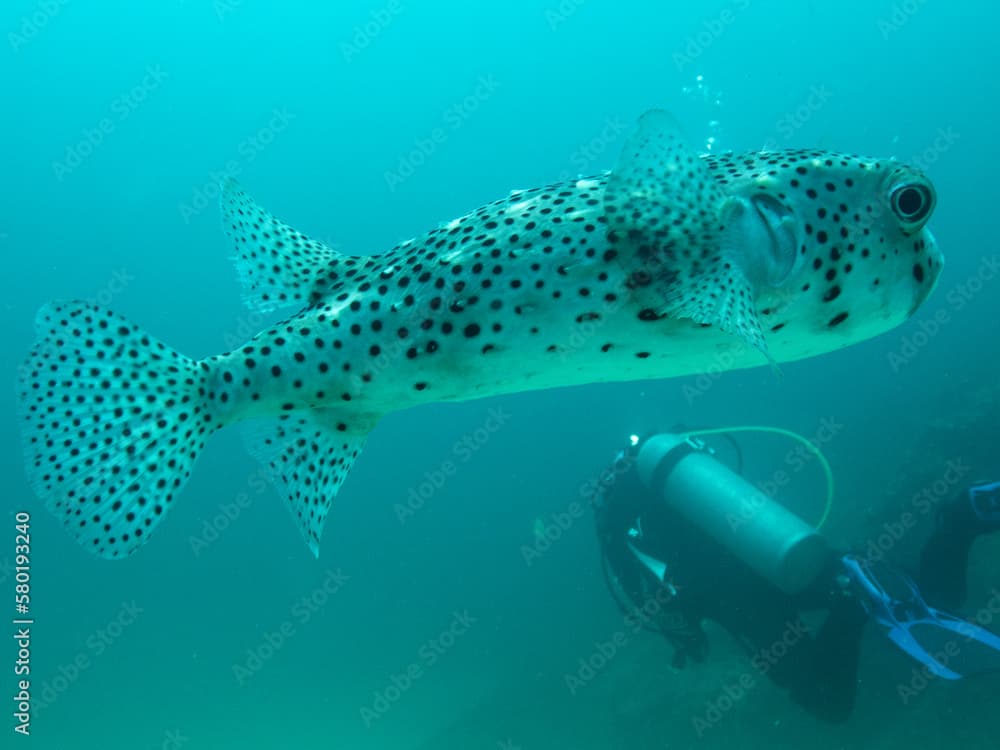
pixel 684 538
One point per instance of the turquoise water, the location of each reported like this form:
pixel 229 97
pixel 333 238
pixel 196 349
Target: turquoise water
pixel 424 623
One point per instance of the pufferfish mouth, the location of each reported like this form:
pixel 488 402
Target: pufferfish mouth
pixel 931 271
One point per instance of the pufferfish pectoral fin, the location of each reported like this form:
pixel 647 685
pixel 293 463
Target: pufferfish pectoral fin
pixel 665 213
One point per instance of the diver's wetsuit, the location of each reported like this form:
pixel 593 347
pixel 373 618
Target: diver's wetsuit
pixel 819 669
pixel 945 557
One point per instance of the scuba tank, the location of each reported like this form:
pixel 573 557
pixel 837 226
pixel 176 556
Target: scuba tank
pixel 769 538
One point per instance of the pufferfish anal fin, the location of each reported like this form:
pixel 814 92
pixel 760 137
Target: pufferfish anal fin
pixel 277 265
pixel 307 457
pixel 665 216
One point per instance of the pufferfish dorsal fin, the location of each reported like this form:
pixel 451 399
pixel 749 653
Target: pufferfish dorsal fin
pixel 665 213
pixel 277 265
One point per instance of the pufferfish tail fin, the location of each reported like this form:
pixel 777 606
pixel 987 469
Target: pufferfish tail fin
pixel 112 423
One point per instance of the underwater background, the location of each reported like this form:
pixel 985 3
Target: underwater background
pixel 452 620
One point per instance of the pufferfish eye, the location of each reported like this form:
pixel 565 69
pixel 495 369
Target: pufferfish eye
pixel 912 202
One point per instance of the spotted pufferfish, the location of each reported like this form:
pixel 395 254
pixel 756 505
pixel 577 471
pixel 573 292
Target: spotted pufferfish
pixel 669 264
